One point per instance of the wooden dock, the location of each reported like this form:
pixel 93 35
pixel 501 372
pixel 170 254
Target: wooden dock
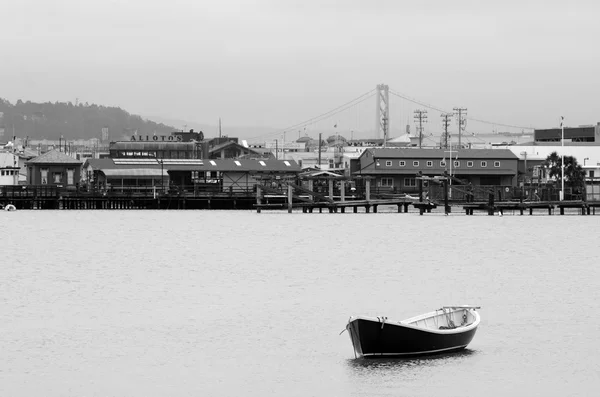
pixel 340 206
pixel 586 208
pixel 309 200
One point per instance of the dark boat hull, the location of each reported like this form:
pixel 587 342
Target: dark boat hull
pixel 377 339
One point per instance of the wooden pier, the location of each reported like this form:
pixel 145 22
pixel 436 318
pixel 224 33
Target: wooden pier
pixel 309 200
pixel 340 206
pixel 586 208
pixel 290 194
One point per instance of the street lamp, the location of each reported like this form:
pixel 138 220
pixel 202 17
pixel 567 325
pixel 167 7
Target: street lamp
pixel 162 184
pixel 562 162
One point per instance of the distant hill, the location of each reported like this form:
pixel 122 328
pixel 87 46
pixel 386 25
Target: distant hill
pixel 81 121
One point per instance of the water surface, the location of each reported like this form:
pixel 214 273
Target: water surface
pixel 223 303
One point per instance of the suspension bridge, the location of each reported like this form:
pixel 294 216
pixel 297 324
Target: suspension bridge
pixel 383 113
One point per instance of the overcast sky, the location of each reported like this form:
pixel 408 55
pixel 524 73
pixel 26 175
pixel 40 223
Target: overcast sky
pixel 276 63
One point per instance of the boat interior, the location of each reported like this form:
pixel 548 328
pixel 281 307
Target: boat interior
pixel 448 317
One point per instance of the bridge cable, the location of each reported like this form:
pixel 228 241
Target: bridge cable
pixel 322 116
pixel 444 111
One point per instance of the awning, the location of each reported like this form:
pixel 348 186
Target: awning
pixel 139 173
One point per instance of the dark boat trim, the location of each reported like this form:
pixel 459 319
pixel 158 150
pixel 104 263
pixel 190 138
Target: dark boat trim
pixel 416 352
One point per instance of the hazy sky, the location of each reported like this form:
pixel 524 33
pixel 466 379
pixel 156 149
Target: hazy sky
pixel 276 63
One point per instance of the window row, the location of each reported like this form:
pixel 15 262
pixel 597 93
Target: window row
pixel 389 182
pixel 429 163
pixel 9 172
pixel 57 177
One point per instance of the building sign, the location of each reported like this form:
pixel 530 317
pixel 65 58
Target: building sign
pixel 156 138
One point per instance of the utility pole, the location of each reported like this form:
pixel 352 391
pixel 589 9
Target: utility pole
pixel 446 123
pixel 319 151
pixel 421 117
pixel 462 122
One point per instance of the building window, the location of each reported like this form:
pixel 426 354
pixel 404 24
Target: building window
pixel 2 173
pixel 388 163
pixel 469 164
pixel 457 163
pixel 402 163
pixel 591 174
pixel 387 182
pixel 429 163
pixel 44 174
pixel 415 163
pixel 410 182
pixel 70 173
pixel 496 164
pixel 443 163
pixel 57 177
pixel 483 164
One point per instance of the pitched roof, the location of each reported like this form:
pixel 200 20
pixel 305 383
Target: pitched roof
pixel 223 145
pixel 399 153
pixel 224 165
pixel 54 157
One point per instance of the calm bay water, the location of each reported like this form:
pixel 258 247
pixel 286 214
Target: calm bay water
pixel 216 303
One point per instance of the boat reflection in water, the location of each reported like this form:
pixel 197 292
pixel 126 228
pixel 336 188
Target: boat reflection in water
pixel 367 365
pixel 445 330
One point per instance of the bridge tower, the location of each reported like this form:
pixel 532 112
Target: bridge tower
pixel 382 112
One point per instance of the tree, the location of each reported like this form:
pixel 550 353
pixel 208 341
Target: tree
pixel 574 173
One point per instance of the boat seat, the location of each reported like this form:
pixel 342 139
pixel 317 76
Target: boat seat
pixel 445 327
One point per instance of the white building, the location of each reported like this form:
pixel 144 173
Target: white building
pixel 9 169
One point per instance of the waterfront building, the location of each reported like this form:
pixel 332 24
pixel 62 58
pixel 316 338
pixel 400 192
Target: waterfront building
pixel 396 169
pixel 580 134
pixel 181 145
pixel 54 168
pixel 155 149
pixel 9 168
pixel 185 175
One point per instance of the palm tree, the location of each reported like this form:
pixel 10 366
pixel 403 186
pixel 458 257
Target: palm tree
pixel 574 173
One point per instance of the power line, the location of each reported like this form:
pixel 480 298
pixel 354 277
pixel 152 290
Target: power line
pixel 325 115
pixel 466 118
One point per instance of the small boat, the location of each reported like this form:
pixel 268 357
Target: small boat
pixel 445 330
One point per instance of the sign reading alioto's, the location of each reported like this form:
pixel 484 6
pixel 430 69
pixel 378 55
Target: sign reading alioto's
pixel 172 138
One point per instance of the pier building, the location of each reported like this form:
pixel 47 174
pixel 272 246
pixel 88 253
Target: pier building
pixel 186 176
pixel 396 169
pixel 9 168
pixel 54 168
